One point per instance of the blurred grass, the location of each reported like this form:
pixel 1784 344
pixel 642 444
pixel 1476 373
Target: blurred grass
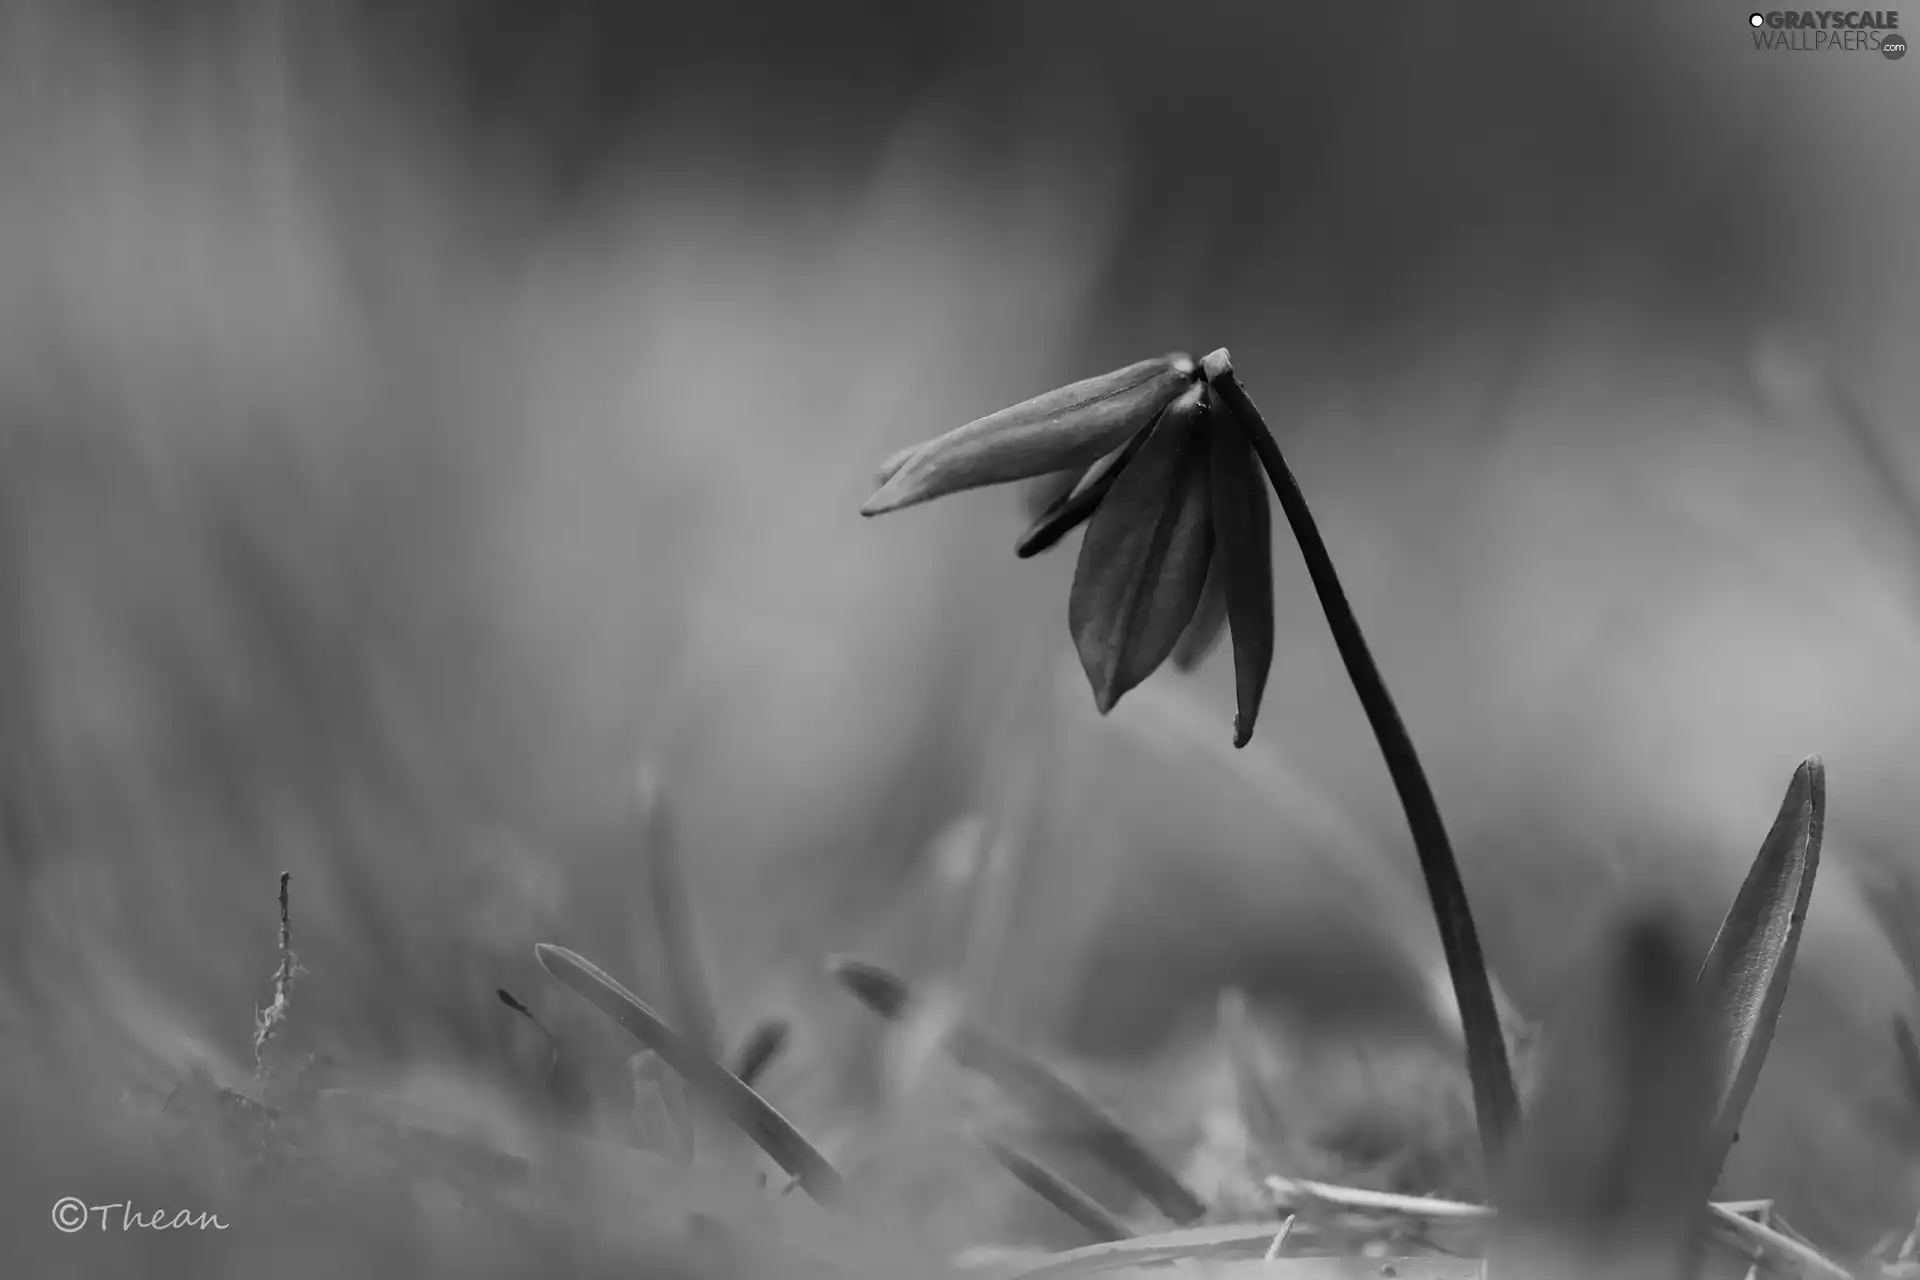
pixel 375 488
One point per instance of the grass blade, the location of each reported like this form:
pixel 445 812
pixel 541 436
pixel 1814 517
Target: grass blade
pixel 1738 1240
pixel 1051 1100
pixel 1746 971
pixel 757 1052
pixel 720 1087
pixel 1245 1243
pixel 514 1003
pixel 1768 1248
pixel 1058 1192
pixel 1732 1229
pixel 1909 1051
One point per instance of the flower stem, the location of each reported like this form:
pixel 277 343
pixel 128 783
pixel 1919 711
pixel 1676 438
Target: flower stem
pixel 1496 1105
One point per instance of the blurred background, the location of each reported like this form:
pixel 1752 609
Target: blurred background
pixel 413 416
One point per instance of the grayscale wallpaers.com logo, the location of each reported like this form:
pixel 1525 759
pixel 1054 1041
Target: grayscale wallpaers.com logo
pixel 1830 31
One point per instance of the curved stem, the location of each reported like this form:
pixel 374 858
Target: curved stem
pixel 1496 1105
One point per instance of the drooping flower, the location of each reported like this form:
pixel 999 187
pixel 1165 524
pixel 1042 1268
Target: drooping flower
pixel 1157 460
pixel 1178 545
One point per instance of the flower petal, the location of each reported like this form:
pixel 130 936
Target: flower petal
pixel 1061 430
pixel 1041 492
pixel 1080 502
pixel 1210 616
pixel 1144 558
pixel 894 462
pixel 1243 551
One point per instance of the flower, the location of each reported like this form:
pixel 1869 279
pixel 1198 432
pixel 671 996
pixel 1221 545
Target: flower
pixel 1178 545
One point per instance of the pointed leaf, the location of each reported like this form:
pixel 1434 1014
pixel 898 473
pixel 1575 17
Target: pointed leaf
pixel 1079 503
pixel 1747 968
pixel 1243 548
pixel 747 1109
pixel 1058 431
pixel 1144 559
pixel 1058 1192
pixel 1610 1174
pixel 1209 616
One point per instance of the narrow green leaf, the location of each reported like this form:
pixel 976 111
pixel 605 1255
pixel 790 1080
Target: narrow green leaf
pixel 1059 431
pixel 739 1103
pixel 1747 968
pixel 1051 1101
pixel 1058 1192
pixel 1144 559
